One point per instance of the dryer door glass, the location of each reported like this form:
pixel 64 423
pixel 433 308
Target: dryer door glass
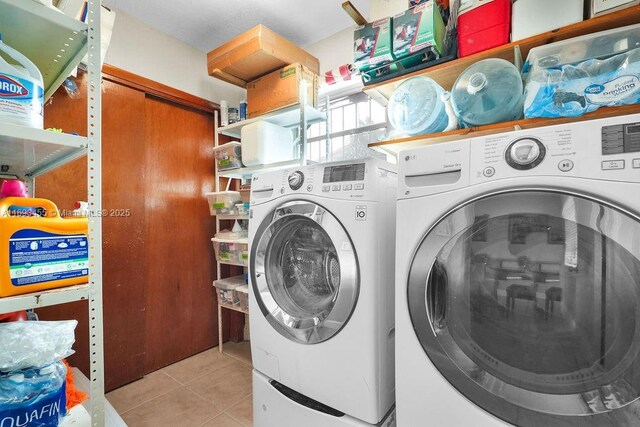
pixel 305 286
pixel 535 297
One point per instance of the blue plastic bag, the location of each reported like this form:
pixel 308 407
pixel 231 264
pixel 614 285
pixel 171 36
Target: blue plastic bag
pixel 574 90
pixel 33 397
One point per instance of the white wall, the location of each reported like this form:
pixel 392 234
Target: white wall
pixel 383 8
pixel 145 51
pixel 337 50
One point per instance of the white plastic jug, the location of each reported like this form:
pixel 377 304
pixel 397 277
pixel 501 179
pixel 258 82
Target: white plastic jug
pixel 21 89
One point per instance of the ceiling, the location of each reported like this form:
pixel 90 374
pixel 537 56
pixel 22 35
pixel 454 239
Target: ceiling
pixel 206 24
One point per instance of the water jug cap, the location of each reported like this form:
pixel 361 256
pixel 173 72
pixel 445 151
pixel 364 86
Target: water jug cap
pixel 477 82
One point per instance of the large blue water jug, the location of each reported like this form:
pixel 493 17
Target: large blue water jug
pixel 489 91
pixel 416 107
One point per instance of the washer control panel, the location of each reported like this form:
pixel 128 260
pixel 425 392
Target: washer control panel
pixel 356 179
pixel 605 149
pixel 525 153
pixel 620 139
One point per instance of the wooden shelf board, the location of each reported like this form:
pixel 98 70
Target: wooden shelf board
pixel 434 138
pixel 447 73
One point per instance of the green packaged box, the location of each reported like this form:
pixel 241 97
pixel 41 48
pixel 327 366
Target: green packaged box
pixel 372 44
pixel 418 28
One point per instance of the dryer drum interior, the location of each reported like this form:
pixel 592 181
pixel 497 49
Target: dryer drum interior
pixel 533 297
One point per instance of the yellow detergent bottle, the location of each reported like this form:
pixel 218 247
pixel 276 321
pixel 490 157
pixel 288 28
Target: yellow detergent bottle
pixel 39 253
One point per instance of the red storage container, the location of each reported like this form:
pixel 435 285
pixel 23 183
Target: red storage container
pixel 483 24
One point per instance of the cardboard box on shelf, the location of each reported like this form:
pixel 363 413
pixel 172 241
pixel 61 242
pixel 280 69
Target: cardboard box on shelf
pixel 418 28
pixel 254 54
pixel 281 89
pixel 373 44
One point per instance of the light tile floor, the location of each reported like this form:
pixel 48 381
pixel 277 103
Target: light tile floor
pixel 209 389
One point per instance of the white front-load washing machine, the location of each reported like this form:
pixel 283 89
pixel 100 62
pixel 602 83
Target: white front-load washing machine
pixel 518 279
pixel 322 285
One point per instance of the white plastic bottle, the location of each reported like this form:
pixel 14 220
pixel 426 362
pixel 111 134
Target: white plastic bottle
pixel 21 89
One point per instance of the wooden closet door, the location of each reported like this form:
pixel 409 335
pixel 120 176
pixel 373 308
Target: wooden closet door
pixel 123 160
pixel 179 264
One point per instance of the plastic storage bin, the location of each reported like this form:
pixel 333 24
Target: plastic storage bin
pixel 223 202
pixel 228 156
pixel 264 143
pixel 227 289
pixel 578 76
pixel 242 293
pixel 235 252
pixel 579 49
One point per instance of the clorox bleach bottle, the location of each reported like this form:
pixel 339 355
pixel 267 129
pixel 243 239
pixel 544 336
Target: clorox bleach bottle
pixel 21 89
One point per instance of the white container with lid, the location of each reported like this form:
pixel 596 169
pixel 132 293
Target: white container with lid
pixel 531 17
pixel 21 89
pixel 600 7
pixel 489 91
pixel 264 143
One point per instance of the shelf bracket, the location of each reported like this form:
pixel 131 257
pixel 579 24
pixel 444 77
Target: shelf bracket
pixel 517 57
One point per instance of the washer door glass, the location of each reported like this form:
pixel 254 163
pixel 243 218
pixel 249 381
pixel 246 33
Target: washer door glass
pixel 533 297
pixel 306 287
pixel 303 271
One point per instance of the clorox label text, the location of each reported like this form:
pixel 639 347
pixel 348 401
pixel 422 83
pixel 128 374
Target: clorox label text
pixel 10 87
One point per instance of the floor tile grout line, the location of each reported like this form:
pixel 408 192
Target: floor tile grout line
pixel 185 385
pixel 150 400
pixel 238 358
pixel 177 386
pixel 209 372
pixel 211 419
pixel 202 373
pixel 235 403
pixel 234 419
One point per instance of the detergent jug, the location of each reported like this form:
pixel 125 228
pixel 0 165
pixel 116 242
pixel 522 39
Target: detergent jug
pixel 39 253
pixel 21 89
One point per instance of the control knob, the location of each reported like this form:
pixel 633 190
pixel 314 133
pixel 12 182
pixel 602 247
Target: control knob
pixel 296 179
pixel 525 153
